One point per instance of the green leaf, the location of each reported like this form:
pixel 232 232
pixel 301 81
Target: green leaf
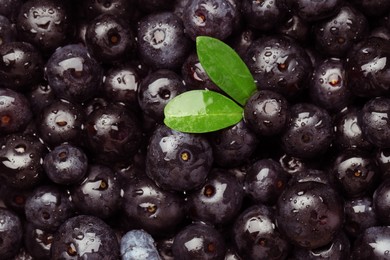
pixel 225 68
pixel 201 111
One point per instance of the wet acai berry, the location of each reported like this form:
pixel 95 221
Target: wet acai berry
pixel 148 207
pixel 108 39
pixel 73 74
pixel 161 40
pixel 66 164
pixel 308 132
pixel 310 214
pixel 278 63
pixel 44 23
pixel 85 236
pixel 178 161
pixel 198 241
pixel 48 207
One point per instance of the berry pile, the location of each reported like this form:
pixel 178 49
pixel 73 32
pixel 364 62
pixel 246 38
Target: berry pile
pixel 89 170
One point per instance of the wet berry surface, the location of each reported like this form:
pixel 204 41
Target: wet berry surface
pixel 89 170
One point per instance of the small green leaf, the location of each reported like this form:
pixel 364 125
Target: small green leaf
pixel 201 111
pixel 225 68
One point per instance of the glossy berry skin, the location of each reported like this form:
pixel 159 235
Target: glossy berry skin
pixel 11 233
pixel 85 236
pixel 44 23
pixel 265 181
pixel 65 164
pixel 178 161
pixel 278 63
pixel 374 121
pixel 198 241
pixel 138 244
pixel 156 90
pixel 232 146
pixel 148 207
pixel 48 207
pixel 214 18
pixel 359 215
pixel 218 201
pixel 21 160
pixel 21 65
pixel 60 122
pixel 266 113
pixel 195 76
pixel 311 11
pixel 121 84
pixel 99 192
pixel 348 130
pixel 339 248
pixel 309 214
pixel 356 172
pixel 109 39
pixel 161 40
pixel 73 74
pixel 256 236
pixel 263 15
pixel 336 35
pixel 15 111
pixel 366 67
pixel 381 202
pixel 37 241
pixel 372 244
pixel 113 133
pixel 329 85
pixel 309 131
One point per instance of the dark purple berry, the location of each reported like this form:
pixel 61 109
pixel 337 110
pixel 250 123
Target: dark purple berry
pixel 266 113
pixel 310 214
pixel 109 39
pixel 199 241
pixel 47 207
pixel 265 180
pixel 214 18
pixel 73 74
pixel 21 65
pixel 178 161
pixel 21 160
pixel 336 35
pixel 256 236
pixel 156 90
pixel 218 201
pixel 161 40
pixel 278 63
pixel 60 122
pixel 15 111
pixel 65 164
pixel 85 236
pixel 98 193
pixel 44 23
pixel 148 207
pixel 308 132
